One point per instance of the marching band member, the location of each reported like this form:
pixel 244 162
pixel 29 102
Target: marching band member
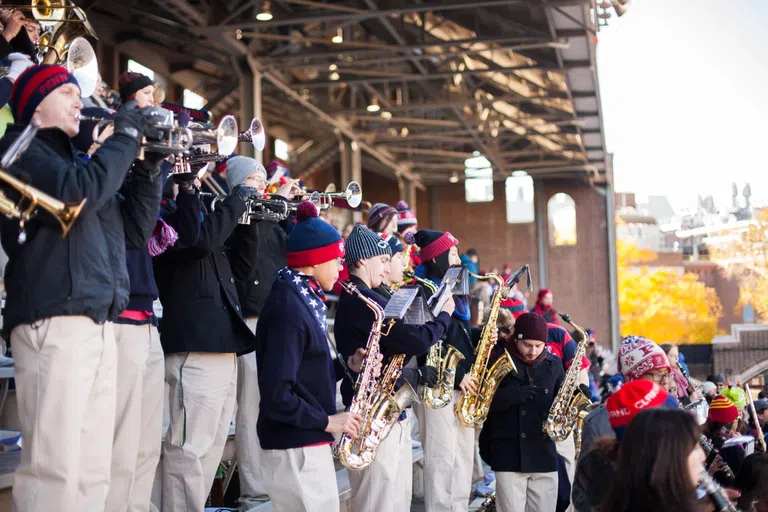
pixel 448 445
pixel 297 375
pixel 140 368
pixel 385 485
pixel 64 293
pixel 382 218
pixel 406 219
pixel 512 441
pixel 256 252
pixel 136 87
pixel 202 332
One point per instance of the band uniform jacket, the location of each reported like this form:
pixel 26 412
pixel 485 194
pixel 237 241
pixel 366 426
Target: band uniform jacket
pixel 85 272
pixel 201 311
pixel 513 438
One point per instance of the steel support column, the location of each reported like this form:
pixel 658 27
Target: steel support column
pixel 351 170
pixel 247 106
pixel 540 206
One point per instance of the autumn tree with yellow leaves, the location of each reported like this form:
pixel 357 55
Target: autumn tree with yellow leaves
pixel 663 305
pixel 744 255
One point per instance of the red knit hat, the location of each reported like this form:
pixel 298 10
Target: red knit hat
pixel 32 87
pixel 722 410
pixel 633 397
pixel 514 306
pixel 312 241
pixel 432 243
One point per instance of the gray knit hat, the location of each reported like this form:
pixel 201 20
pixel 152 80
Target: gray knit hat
pixel 240 167
pixel 362 244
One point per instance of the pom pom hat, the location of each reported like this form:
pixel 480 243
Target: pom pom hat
pixel 32 87
pixel 638 356
pixel 722 410
pixel 312 241
pixel 632 398
pixel 432 243
pixel 379 211
pixel 395 245
pixel 405 216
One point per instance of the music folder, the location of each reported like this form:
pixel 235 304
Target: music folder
pixel 408 304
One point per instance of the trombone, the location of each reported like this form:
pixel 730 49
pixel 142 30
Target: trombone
pixel 65 213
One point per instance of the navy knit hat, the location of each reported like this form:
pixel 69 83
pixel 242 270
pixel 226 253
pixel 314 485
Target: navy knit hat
pixel 531 326
pixel 379 212
pixel 405 216
pixel 312 240
pixel 33 85
pixel 395 245
pixel 432 243
pixel 131 83
pixel 363 243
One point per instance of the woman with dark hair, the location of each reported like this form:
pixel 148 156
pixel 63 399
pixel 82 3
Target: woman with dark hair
pixel 544 306
pixel 752 482
pixel 659 463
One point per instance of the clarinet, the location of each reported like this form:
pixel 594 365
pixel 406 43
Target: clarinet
pixel 713 455
pixel 715 494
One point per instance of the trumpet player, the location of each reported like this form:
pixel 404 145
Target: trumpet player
pixel 512 441
pixel 298 375
pixel 448 445
pixel 202 333
pixel 256 252
pixel 136 87
pixel 385 485
pixel 63 294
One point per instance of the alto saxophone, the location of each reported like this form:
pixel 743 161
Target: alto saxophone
pixel 472 408
pixel 439 395
pixel 570 400
pixel 375 399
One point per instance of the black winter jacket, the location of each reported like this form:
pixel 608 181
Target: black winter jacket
pixel 83 273
pixel 352 327
pixel 256 252
pixel 513 438
pixel 201 312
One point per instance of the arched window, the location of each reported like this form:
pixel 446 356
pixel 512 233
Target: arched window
pixel 519 194
pixel 561 212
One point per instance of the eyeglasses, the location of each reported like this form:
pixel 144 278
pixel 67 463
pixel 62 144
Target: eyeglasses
pixel 658 377
pixel 505 330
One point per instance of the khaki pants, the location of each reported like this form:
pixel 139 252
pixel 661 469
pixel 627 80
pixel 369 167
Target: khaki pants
pixel 66 387
pixel 385 485
pixel 301 479
pixel 567 450
pixel 247 446
pixel 478 472
pixel 138 418
pixel 526 492
pixel 202 399
pixel 448 460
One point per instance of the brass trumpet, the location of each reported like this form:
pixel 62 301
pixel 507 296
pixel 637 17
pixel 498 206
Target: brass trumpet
pixel 353 195
pixel 254 134
pixel 65 213
pixel 50 13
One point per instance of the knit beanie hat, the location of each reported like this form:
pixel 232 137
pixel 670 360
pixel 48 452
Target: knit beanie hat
pixel 722 410
pixel 716 378
pixel 708 387
pixel 276 170
pixel 405 216
pixel 379 211
pixel 515 306
pixel 531 326
pixel 32 87
pixel 130 83
pixel 761 404
pixel 363 243
pixel 736 395
pixel 84 138
pixel 312 240
pixel 638 356
pixel 239 168
pixel 633 397
pixel 431 243
pixel 395 245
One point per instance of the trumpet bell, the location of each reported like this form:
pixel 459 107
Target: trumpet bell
pixel 44 12
pixel 82 63
pixel 227 135
pixel 258 135
pixel 353 194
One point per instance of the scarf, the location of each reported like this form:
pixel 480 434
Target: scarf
pixel 163 237
pixel 310 292
pixel 512 348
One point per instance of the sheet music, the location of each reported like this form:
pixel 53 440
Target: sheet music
pixel 400 301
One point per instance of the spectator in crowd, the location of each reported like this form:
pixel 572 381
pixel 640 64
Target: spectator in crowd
pixel 544 306
pixel 382 218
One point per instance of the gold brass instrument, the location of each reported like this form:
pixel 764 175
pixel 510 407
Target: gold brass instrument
pixel 439 395
pixel 408 271
pixel 753 413
pixel 570 400
pixel 578 429
pixel 65 213
pixel 473 408
pixel 50 13
pixel 374 399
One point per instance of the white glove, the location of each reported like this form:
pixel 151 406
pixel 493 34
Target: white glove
pixel 19 62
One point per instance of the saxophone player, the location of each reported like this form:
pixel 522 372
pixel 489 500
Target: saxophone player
pixel 448 445
pixel 384 485
pixel 297 375
pixel 512 441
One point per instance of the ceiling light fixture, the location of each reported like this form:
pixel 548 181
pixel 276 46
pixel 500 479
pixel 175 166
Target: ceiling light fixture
pixel 265 14
pixel 386 114
pixel 374 105
pixel 339 37
pixel 454 178
pixel 334 76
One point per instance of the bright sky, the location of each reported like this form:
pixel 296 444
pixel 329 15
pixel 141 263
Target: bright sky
pixel 684 87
